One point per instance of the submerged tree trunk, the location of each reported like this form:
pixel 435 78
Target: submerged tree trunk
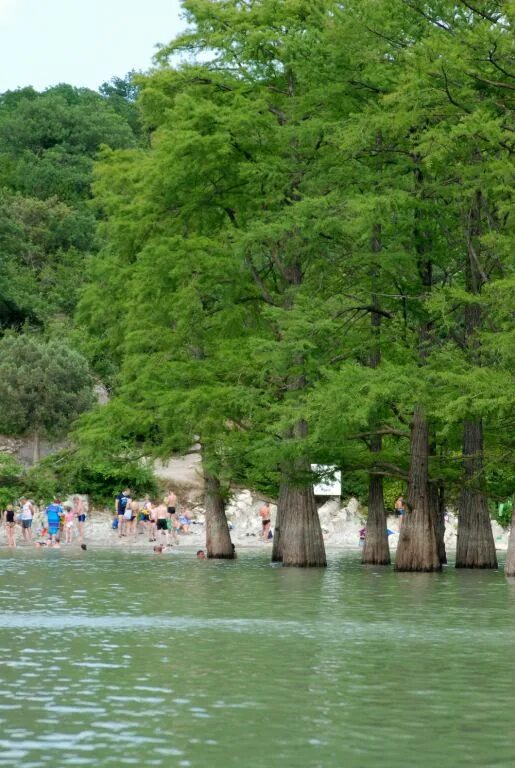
pixel 376 550
pixel 298 539
pixel 436 504
pixel 509 569
pixel 475 547
pixel 301 541
pixel 417 549
pixel 218 538
pixel 277 554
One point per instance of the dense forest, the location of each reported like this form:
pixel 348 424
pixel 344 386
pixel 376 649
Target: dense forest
pixel 291 241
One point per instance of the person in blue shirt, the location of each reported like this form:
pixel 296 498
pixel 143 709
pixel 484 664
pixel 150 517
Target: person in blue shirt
pixel 121 502
pixel 54 513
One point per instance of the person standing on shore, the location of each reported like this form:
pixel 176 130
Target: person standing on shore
pixel 26 517
pixel 400 508
pixel 171 502
pixel 152 521
pixel 54 513
pixel 80 514
pixel 144 516
pixel 120 506
pixel 265 516
pixel 10 525
pixel 68 524
pixel 162 516
pixel 133 507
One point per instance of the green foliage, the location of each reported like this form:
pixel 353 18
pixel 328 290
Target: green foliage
pixel 44 385
pixel 293 262
pixel 355 484
pixel 101 477
pixel 121 94
pixel 11 474
pixel 504 513
pixel 41 483
pixel 48 140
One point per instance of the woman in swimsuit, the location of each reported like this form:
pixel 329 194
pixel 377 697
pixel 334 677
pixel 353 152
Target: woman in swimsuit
pixel 132 524
pixel 80 514
pixel 10 526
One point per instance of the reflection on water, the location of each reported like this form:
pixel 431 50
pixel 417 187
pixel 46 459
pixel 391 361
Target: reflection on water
pixel 114 659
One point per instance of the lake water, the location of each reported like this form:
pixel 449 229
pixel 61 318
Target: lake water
pixel 112 659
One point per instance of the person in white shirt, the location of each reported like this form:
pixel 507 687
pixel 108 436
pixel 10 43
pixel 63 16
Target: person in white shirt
pixel 26 517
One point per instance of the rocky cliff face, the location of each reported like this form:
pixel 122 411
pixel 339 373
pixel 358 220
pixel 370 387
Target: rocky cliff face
pixel 22 448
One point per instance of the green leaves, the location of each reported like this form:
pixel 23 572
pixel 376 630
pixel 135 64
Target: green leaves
pixel 44 386
pixel 323 187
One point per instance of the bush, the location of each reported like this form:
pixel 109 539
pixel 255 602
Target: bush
pixel 503 513
pixel 100 477
pixel 11 479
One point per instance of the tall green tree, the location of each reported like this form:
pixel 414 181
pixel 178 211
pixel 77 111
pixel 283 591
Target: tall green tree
pixel 44 387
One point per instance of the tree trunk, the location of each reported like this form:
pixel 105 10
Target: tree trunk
pixel 436 505
pixel 376 550
pixel 475 547
pixel 298 539
pixel 277 554
pixel 417 549
pixel 218 538
pixel 301 540
pixel 509 569
pixel 36 447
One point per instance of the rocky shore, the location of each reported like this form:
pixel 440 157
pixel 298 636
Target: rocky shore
pixel 340 525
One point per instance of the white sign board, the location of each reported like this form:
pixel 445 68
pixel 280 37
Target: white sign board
pixel 332 484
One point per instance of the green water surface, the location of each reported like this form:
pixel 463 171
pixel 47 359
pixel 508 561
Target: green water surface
pixel 111 658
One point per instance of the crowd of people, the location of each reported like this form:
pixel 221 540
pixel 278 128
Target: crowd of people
pixel 159 520
pixel 57 523
pixel 60 523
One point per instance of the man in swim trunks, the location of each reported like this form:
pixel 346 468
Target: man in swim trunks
pixel 171 502
pixel 162 516
pixel 400 508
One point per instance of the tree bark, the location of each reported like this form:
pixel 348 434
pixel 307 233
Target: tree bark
pixel 509 569
pixel 475 547
pixel 277 553
pixel 418 549
pixel 218 538
pixel 437 507
pixel 376 550
pixel 301 541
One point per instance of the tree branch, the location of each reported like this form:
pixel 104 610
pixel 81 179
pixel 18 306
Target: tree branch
pixel 427 17
pixel 493 19
pixel 495 83
pixel 267 297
